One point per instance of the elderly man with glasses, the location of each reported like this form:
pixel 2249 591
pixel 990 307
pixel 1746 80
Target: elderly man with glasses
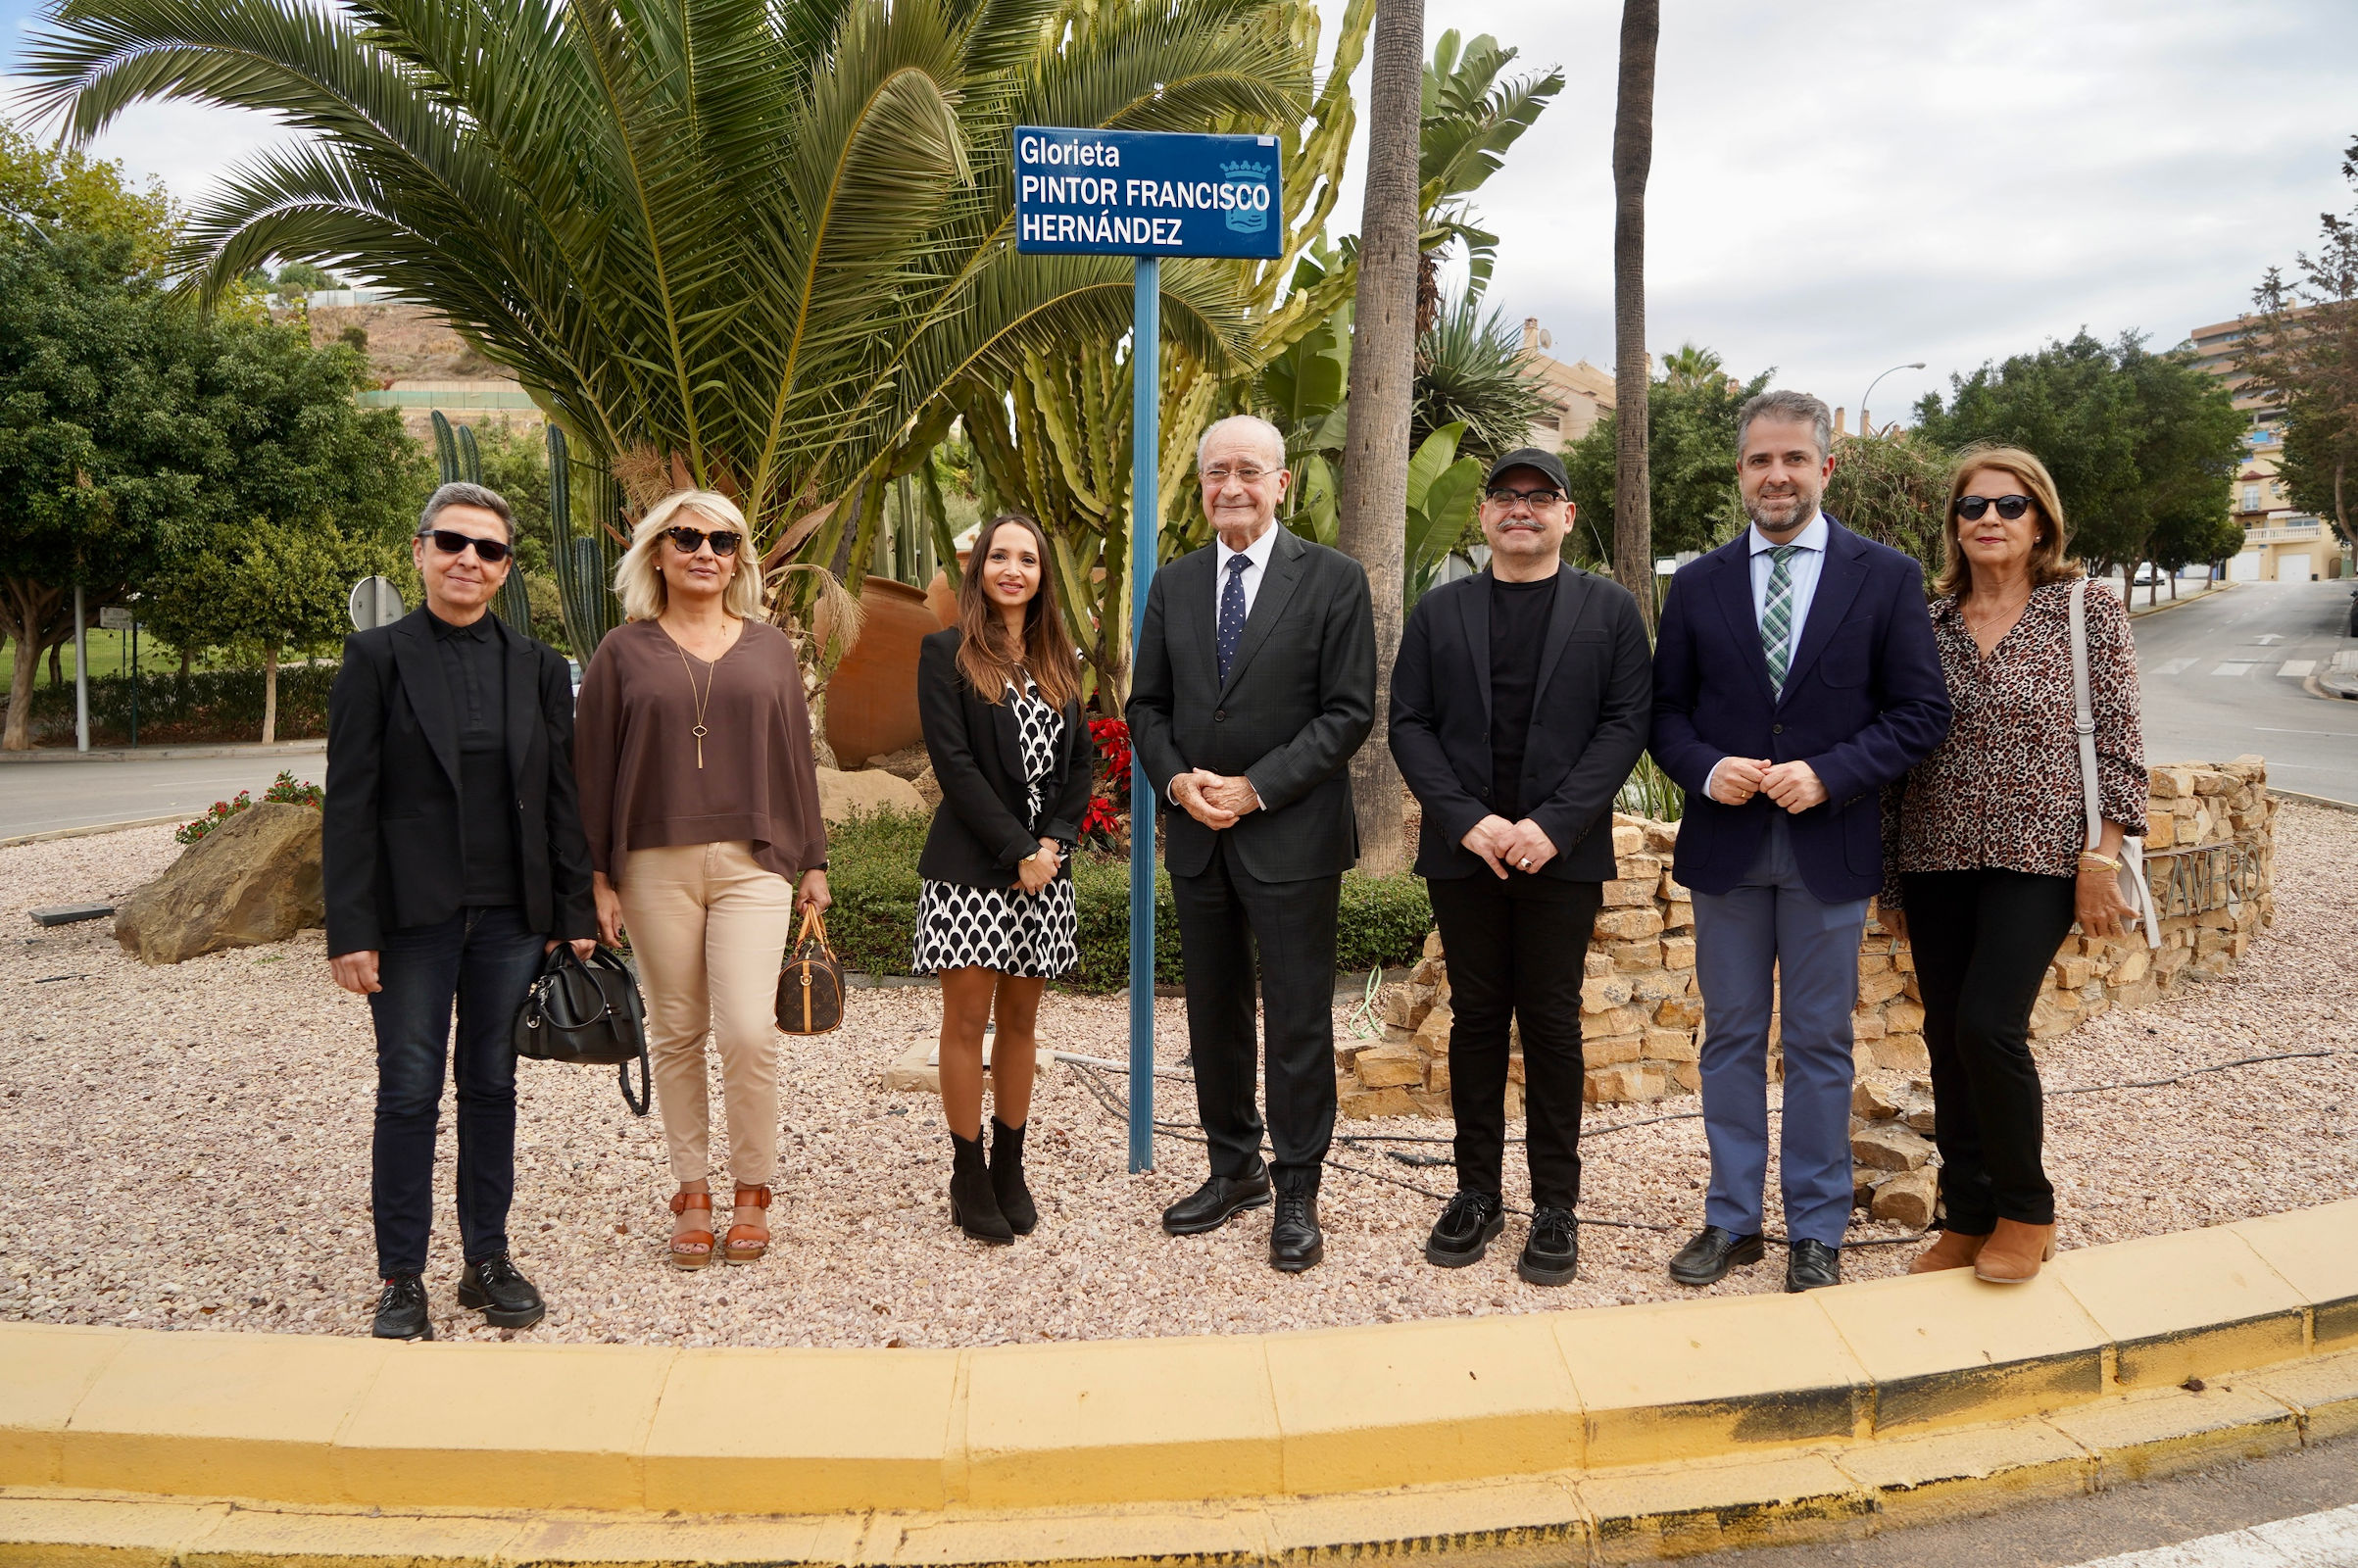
pixel 1254 684
pixel 454 859
pixel 1520 702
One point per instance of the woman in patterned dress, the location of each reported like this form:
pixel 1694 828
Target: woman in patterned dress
pixel 1001 698
pixel 1986 863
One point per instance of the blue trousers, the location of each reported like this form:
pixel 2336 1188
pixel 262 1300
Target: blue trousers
pixel 1768 943
pixel 482 961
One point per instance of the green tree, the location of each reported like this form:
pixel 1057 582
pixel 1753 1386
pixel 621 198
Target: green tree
pixel 2301 352
pixel 1893 489
pixel 1690 462
pixel 303 277
pixel 2139 442
pixel 261 590
pixel 66 189
pixel 754 245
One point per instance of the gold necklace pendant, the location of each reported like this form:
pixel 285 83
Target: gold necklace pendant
pixel 702 702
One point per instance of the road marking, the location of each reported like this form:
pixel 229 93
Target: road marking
pixel 2177 666
pixel 2271 637
pixel 2268 729
pixel 2237 667
pixel 2327 1540
pixel 2296 667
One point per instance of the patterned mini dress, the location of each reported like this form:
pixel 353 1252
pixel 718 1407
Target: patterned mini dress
pixel 1031 935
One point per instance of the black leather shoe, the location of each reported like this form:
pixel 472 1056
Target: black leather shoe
pixel 1294 1241
pixel 1216 1203
pixel 400 1310
pixel 498 1289
pixel 1465 1230
pixel 1552 1257
pixel 974 1205
pixel 1707 1259
pixel 1812 1266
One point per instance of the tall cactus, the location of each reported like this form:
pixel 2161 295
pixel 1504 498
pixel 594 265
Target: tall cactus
pixel 459 458
pixel 584 562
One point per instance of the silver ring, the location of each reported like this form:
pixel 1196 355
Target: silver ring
pixel 1527 860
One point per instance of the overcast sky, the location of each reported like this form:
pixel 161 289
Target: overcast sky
pixel 1840 188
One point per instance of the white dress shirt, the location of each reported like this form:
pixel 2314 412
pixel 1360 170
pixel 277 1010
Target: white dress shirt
pixel 1801 568
pixel 1259 553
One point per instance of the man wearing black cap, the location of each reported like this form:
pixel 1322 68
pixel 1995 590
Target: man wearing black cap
pixel 1520 702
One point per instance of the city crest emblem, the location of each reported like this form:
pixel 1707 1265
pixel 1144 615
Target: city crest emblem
pixel 1247 208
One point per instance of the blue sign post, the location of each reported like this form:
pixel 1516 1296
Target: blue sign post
pixel 1147 195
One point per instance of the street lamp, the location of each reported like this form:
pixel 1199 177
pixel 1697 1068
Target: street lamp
pixel 1863 428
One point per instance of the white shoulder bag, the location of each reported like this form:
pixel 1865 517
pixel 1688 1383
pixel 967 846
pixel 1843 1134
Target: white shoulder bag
pixel 2133 888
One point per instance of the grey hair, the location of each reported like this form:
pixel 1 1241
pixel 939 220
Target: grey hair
pixel 1798 407
pixel 459 493
pixel 1269 432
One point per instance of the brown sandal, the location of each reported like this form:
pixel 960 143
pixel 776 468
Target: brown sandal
pixel 748 1250
pixel 692 1249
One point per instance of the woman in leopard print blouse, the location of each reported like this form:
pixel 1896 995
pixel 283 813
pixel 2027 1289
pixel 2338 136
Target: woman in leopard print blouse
pixel 1986 845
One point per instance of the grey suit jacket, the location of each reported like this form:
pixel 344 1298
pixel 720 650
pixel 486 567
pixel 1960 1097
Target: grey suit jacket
pixel 1300 699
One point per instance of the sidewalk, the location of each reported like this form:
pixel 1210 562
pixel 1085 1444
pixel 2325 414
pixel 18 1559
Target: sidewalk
pixel 164 754
pixel 2135 609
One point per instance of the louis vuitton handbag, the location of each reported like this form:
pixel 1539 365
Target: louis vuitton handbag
pixel 810 988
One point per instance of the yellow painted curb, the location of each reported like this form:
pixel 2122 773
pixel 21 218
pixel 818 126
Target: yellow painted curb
pixel 1618 1431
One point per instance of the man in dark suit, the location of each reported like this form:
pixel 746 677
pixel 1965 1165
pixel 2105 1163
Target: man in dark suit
pixel 1795 677
pixel 453 860
pixel 1519 704
pixel 1255 684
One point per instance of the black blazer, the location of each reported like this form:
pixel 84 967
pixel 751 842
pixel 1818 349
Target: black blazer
pixel 1589 720
pixel 393 788
pixel 1299 701
pixel 981 830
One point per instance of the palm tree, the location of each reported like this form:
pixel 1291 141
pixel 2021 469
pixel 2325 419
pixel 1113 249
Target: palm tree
pixel 1374 518
pixel 746 244
pixel 1632 159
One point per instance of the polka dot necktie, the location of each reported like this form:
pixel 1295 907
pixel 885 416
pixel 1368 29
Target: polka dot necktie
pixel 1232 612
pixel 1777 616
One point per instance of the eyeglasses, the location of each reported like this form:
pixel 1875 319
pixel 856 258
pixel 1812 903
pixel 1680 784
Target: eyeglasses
pixel 1971 507
pixel 1216 477
pixel 450 542
pixel 687 541
pixel 1502 496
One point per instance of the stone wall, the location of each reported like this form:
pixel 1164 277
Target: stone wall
pixel 1641 1013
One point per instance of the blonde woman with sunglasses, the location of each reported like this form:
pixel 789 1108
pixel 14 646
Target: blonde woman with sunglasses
pixel 699 798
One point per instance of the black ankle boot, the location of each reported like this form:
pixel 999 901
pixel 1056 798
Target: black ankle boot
pixel 973 1206
pixel 1007 1179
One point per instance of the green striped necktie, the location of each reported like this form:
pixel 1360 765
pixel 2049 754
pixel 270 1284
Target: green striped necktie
pixel 1777 617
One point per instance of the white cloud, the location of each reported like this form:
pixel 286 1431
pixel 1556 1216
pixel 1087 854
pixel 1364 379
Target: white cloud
pixel 187 146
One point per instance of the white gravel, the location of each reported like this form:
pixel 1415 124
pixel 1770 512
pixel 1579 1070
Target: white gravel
pixel 190 1148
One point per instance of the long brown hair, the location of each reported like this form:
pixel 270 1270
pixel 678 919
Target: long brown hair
pixel 2049 562
pixel 983 655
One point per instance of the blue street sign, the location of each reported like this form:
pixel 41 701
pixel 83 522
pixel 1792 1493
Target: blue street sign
pixel 1145 193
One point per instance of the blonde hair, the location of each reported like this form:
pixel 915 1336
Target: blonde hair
pixel 2049 562
pixel 639 580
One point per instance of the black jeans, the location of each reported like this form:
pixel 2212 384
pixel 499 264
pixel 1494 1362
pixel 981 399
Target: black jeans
pixel 1228 917
pixel 485 960
pixel 1983 942
pixel 1514 951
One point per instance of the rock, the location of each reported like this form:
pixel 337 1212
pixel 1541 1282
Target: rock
pixel 1628 925
pixel 1376 1102
pixel 1432 1030
pixel 1678 952
pixel 906 764
pixel 1887 1145
pixel 253 879
pixel 1903 1053
pixel 1630 1083
pixel 1390 1064
pixel 1875 1101
pixel 927 789
pixel 1611 1052
pixel 843 796
pixel 1919 1118
pixel 1906 1199
pixel 1672 1045
pixel 1601 993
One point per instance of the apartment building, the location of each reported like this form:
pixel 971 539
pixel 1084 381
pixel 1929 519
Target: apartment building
pixel 2280 542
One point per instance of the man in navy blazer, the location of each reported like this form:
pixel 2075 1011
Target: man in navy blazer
pixel 1795 676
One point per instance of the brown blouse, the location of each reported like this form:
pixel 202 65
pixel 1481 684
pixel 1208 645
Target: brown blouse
pixel 2003 789
pixel 634 749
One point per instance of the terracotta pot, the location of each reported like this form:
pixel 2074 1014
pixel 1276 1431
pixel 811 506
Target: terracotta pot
pixel 943 599
pixel 872 700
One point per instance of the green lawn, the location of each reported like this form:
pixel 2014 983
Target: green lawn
pixel 110 654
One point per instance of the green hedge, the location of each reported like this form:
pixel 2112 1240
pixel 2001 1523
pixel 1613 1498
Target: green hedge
pixel 873 875
pixel 205 706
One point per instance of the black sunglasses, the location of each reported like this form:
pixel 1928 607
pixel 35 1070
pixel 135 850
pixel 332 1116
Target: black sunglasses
pixel 687 540
pixel 1971 507
pixel 490 552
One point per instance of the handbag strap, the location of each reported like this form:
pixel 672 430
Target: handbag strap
pixel 2084 718
pixel 639 1102
pixel 812 922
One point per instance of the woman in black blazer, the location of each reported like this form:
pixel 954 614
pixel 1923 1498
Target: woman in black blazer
pixel 454 859
pixel 1000 693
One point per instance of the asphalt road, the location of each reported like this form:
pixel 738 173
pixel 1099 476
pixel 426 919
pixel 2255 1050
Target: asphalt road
pixel 40 797
pixel 2224 675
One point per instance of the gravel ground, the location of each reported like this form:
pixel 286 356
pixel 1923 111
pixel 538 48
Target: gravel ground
pixel 190 1148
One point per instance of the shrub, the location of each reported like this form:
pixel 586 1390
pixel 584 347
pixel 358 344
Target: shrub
pixel 204 706
pixel 284 791
pixel 872 873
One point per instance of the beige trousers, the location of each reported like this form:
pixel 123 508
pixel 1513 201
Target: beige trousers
pixel 710 927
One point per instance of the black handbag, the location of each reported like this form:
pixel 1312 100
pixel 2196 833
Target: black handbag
pixel 587 1011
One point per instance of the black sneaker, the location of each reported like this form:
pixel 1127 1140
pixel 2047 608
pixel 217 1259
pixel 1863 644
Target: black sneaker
pixel 400 1310
pixel 1465 1230
pixel 1552 1257
pixel 498 1289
